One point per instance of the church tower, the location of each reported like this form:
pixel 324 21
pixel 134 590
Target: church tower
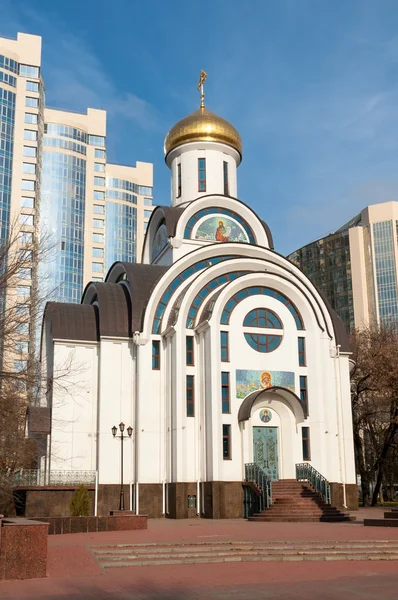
pixel 203 152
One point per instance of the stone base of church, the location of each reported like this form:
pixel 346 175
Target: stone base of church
pixel 223 500
pixel 337 495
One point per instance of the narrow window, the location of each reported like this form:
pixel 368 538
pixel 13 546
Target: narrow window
pixel 305 435
pixel 301 351
pixel 156 355
pixel 179 188
pixel 224 346
pixel 226 442
pixel 226 185
pixel 303 388
pixel 225 392
pixel 190 355
pixel 190 396
pixel 201 174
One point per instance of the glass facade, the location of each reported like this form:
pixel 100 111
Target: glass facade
pixel 327 263
pixel 62 215
pixel 120 233
pixel 7 122
pixel 384 258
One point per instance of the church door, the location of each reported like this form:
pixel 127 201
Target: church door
pixel 265 450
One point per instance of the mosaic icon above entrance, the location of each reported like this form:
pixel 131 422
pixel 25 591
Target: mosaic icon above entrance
pixel 265 415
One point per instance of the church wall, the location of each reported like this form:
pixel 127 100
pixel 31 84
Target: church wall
pixel 150 416
pixel 74 407
pixel 116 377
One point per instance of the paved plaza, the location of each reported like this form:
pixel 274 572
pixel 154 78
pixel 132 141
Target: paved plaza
pixel 74 573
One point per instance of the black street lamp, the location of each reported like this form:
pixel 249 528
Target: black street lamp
pixel 122 437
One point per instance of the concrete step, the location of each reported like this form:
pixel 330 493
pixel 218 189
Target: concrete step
pixel 381 522
pixel 207 552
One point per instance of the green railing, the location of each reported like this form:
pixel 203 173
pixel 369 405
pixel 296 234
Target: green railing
pixel 305 472
pixel 257 491
pixel 34 477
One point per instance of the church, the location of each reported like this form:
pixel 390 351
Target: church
pixel 215 352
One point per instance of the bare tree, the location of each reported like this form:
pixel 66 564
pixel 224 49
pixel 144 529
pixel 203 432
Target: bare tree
pixel 374 387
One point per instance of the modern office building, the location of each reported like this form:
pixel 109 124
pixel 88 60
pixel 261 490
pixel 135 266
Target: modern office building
pixel 56 184
pixel 93 212
pixel 356 267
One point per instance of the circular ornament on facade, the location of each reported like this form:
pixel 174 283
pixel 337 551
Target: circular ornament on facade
pixel 265 415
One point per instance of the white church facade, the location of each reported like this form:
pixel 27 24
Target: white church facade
pixel 216 350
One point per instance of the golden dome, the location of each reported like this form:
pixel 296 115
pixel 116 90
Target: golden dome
pixel 204 126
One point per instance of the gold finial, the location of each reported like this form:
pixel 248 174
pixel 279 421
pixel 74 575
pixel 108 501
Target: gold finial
pixel 202 79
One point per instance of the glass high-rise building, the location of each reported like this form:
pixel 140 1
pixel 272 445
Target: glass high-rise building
pixel 356 267
pixel 56 183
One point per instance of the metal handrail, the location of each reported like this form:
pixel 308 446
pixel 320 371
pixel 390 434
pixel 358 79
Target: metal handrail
pixel 306 472
pixel 37 477
pixel 255 474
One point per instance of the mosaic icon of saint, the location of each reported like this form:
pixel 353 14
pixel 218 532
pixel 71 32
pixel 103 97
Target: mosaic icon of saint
pixel 221 233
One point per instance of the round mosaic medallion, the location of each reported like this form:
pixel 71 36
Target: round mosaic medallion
pixel 265 415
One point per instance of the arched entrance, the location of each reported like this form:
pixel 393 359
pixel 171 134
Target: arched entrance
pixel 269 420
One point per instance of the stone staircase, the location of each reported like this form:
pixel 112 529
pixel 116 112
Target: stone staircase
pixel 296 501
pixel 179 553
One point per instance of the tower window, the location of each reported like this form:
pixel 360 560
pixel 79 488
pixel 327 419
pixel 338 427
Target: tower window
pixel 201 174
pixel 225 392
pixel 156 355
pixel 225 172
pixel 301 351
pixel 226 442
pixel 190 350
pixel 303 388
pixel 179 187
pixel 190 394
pixel 305 436
pixel 224 346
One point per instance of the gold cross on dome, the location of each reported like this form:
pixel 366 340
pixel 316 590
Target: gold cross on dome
pixel 202 79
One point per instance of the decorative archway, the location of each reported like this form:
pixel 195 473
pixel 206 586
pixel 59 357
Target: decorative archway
pixel 299 408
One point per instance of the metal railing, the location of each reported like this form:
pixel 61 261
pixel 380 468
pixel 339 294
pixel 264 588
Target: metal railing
pixel 306 472
pixel 36 477
pixel 259 497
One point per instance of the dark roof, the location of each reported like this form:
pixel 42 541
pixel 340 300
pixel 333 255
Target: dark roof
pixel 114 309
pixel 142 280
pixel 71 321
pixel 171 215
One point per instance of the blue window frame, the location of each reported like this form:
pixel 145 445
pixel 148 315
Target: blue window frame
pixel 258 291
pixel 301 352
pixel 225 175
pixel 224 341
pixel 262 317
pixel 263 342
pixel 226 442
pixel 225 394
pixel 303 389
pixel 155 355
pixel 174 285
pixel 201 174
pixel 190 395
pixel 190 357
pixel 305 437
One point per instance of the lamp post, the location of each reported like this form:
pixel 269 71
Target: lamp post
pixel 122 437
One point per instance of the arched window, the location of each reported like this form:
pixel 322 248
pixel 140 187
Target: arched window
pixel 263 318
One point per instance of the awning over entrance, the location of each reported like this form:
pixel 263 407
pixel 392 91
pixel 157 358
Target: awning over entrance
pixel 247 404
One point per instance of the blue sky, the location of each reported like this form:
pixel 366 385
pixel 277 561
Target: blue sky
pixel 311 85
